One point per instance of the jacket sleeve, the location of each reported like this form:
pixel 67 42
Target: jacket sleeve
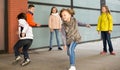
pixel 30 20
pixel 80 23
pixel 110 22
pixel 98 25
pixel 63 35
pixel 60 20
pixel 49 22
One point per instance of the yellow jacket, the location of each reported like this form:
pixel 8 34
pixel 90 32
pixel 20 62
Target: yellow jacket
pixel 105 22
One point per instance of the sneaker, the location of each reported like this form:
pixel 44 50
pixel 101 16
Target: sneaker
pixel 103 53
pixel 112 53
pixel 59 48
pixel 50 49
pixel 72 68
pixel 17 59
pixel 25 62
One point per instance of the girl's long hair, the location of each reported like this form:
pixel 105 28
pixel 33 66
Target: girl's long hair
pixel 108 11
pixel 52 9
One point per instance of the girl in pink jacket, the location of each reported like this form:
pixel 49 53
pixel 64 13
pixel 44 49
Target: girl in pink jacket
pixel 55 26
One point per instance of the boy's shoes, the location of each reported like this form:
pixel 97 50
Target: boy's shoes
pixel 72 68
pixel 50 49
pixel 103 53
pixel 25 62
pixel 59 48
pixel 112 53
pixel 17 59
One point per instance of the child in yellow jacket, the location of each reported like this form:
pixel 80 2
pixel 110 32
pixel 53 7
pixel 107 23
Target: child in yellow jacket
pixel 105 26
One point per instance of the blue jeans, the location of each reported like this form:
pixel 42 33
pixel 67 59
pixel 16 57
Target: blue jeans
pixel 106 38
pixel 71 53
pixel 24 44
pixel 51 37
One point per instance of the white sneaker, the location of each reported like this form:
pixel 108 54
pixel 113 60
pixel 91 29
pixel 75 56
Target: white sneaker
pixel 17 59
pixel 72 68
pixel 25 62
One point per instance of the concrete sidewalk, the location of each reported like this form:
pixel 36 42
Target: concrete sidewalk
pixel 87 58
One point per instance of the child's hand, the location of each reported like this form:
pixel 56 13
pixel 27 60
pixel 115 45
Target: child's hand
pixel 38 25
pixel 98 32
pixel 51 30
pixel 59 30
pixel 23 34
pixel 65 48
pixel 109 32
pixel 88 25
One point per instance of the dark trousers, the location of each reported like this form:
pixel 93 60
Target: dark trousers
pixel 24 44
pixel 106 39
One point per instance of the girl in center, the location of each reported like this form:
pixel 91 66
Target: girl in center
pixel 70 34
pixel 54 26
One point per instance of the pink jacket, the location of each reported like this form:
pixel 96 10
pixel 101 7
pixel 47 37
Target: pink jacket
pixel 54 21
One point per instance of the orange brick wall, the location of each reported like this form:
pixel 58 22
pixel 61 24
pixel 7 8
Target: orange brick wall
pixel 14 8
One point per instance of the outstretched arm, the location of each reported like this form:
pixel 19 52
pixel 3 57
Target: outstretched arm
pixel 63 37
pixel 83 24
pixel 31 21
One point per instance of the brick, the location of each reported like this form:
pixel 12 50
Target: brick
pixel 14 8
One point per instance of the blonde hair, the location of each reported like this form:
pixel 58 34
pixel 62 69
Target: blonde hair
pixel 106 7
pixel 69 10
